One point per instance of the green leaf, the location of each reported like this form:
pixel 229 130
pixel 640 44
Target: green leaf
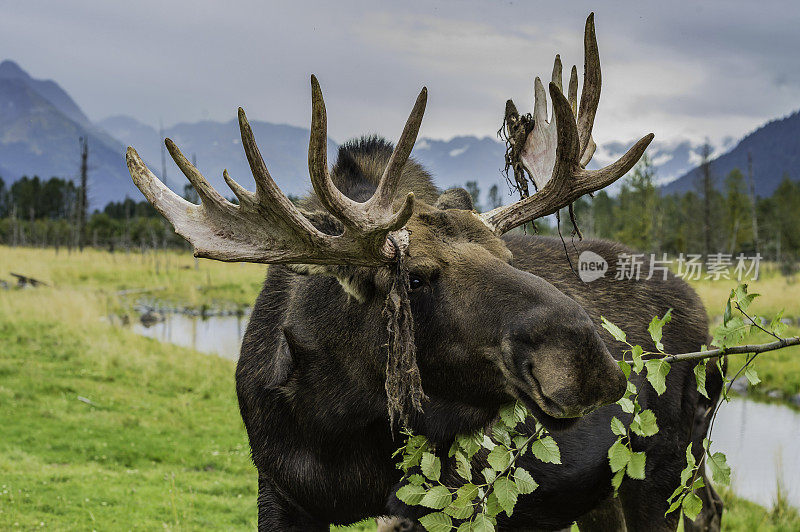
pixel 720 470
pixel 470 443
pixel 492 505
pixel 431 466
pixel 636 466
pixel 638 363
pixel 730 333
pixel 692 505
pixel 500 432
pixel 411 494
pixel 463 467
pixel 625 367
pixel 507 493
pixel 499 458
pixel 524 481
pixel 743 298
pixel 618 456
pixel 507 415
pixel 776 326
pixel 644 423
pixel 676 503
pixel 436 522
pixel 460 509
pixel 687 472
pixel 752 375
pixel 728 314
pixel 700 377
pixel 482 523
pixel 626 404
pixel 678 491
pixel 546 450
pixel 412 455
pixel 467 492
pixel 437 498
pixel 615 331
pixel 513 413
pixel 656 329
pixel 417 480
pixel 616 480
pixel 617 427
pixel 489 475
pixel 657 371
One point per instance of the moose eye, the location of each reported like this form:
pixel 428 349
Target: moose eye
pixel 415 282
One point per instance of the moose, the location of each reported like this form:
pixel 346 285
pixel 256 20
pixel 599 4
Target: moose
pixel 493 316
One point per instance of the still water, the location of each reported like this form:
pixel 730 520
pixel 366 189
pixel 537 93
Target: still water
pixel 216 335
pixel 760 440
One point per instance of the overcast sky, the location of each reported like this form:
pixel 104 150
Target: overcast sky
pixel 679 69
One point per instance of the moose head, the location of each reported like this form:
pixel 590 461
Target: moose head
pixel 484 331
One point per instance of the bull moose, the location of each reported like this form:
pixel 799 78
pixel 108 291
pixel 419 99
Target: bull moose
pixel 493 317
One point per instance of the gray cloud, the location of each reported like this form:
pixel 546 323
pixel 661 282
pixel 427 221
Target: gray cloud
pixel 680 69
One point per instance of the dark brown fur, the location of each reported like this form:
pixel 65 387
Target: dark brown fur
pixel 496 319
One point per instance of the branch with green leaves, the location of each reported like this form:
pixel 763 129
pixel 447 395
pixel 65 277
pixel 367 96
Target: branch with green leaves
pixel 473 505
pixel 470 502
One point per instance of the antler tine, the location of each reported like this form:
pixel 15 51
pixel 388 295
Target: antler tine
pixel 390 180
pixel 590 95
pixel 573 90
pixel 157 193
pixel 568 146
pixel 539 101
pixel 245 196
pixel 209 196
pixel 605 176
pixel 268 194
pixel 331 197
pixel 556 77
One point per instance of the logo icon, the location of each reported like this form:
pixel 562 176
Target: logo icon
pixel 591 266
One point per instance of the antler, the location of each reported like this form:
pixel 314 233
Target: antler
pixel 266 226
pixel 556 152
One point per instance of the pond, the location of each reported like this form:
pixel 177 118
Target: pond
pixel 759 439
pixel 217 335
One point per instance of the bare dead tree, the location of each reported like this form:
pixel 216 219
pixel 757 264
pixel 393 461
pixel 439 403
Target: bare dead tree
pixel 752 184
pixel 705 168
pixel 83 203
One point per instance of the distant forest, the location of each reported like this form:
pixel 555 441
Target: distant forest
pixel 717 217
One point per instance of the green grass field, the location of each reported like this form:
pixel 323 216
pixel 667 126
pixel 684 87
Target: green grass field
pixel 106 430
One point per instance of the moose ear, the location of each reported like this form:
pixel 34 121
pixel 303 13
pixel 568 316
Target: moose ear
pixel 282 363
pixel 455 198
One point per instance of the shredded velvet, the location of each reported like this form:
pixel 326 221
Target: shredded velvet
pixel 403 383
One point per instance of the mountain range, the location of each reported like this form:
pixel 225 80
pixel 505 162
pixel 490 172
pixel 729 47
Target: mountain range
pixel 40 125
pixel 775 152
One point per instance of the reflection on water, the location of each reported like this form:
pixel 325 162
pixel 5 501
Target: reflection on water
pixel 760 440
pixel 218 335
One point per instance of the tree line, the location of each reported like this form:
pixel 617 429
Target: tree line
pixel 720 216
pixel 51 213
pixel 717 217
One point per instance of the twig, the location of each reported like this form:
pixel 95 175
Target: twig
pixel 513 461
pixel 735 350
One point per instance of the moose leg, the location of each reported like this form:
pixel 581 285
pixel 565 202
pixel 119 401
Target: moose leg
pixel 277 513
pixel 605 517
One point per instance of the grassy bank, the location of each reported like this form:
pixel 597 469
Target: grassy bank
pixel 170 276
pixel 106 430
pixel 779 370
pixel 103 429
